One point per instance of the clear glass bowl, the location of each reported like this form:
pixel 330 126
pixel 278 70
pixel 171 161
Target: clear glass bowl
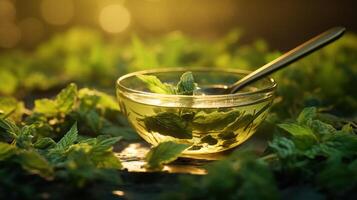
pixel 208 123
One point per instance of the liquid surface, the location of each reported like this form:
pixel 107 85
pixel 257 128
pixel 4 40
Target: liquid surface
pixel 207 130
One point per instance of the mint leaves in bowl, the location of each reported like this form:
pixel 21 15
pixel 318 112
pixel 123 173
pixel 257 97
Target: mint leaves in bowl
pixel 167 105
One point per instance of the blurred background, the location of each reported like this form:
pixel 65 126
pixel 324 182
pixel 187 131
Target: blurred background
pixel 47 44
pixel 281 23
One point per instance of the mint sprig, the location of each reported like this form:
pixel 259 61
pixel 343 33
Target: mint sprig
pixel 186 85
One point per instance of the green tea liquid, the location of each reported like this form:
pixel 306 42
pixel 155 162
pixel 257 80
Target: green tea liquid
pixel 207 130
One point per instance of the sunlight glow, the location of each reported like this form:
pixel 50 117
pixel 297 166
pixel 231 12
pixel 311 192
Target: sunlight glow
pixel 7 11
pixel 114 18
pixel 118 193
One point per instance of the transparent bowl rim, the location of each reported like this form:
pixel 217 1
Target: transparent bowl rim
pixel 270 88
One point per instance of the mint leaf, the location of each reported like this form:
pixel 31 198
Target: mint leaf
pixel 33 162
pixel 306 116
pixel 104 101
pixel 341 143
pixel 24 139
pixel 283 146
pixel 107 160
pixel 46 106
pixel 7 150
pixel 302 136
pixel 63 102
pixel 9 129
pixel 321 128
pixel 68 139
pixel 101 152
pixel 44 143
pixel 104 143
pixel 11 108
pixel 66 98
pixel 187 84
pixel 155 85
pixel 168 124
pixel 163 153
pixel 215 120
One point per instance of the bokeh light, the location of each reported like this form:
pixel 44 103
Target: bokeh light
pixel 32 30
pixel 7 11
pixel 114 18
pixel 57 12
pixel 9 35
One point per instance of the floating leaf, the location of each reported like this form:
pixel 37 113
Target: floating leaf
pixel 209 140
pixel 215 120
pixel 168 124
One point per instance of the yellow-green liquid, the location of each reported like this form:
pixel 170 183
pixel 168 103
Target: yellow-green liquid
pixel 207 130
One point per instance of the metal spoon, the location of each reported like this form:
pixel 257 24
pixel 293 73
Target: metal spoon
pixel 291 56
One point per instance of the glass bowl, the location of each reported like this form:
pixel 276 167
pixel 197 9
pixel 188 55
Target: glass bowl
pixel 208 123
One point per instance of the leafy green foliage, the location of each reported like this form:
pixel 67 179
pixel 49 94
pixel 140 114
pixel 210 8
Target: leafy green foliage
pixel 313 157
pixel 35 163
pixel 97 113
pixel 164 153
pixel 303 136
pixel 316 161
pixel 6 150
pixel 241 176
pixel 78 162
pixel 62 104
pixel 314 150
pixel 34 145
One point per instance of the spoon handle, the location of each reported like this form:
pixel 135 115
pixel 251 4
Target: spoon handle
pixel 291 56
